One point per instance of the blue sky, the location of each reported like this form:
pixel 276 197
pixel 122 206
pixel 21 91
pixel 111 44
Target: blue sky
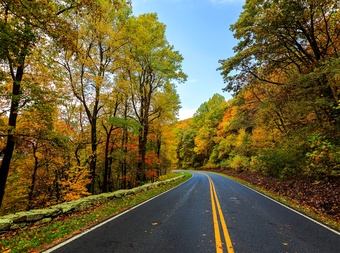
pixel 199 30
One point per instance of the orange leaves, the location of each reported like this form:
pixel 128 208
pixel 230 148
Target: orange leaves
pixel 226 124
pixel 151 175
pixel 74 183
pixel 152 160
pixel 131 146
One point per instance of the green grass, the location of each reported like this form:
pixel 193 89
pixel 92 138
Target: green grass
pixel 37 238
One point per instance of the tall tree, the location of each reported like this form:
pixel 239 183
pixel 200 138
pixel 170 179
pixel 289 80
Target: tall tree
pixel 152 64
pixel 92 61
pixel 205 121
pixel 168 100
pixel 288 43
pixel 23 24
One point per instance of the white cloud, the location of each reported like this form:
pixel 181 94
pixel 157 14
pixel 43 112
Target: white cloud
pixel 186 113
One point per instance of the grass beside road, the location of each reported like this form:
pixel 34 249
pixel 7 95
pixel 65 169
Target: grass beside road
pixel 37 238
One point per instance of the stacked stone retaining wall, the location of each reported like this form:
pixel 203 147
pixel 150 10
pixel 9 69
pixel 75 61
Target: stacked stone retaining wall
pixel 23 219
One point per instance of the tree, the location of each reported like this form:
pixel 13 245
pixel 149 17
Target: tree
pixel 23 25
pixel 160 132
pixel 205 121
pixel 151 65
pixel 186 157
pixel 82 92
pixel 109 130
pixel 288 43
pixel 91 62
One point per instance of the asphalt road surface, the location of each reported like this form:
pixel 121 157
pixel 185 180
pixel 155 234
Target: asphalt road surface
pixel 208 213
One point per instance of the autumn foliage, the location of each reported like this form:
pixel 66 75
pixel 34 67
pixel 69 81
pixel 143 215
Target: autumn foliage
pixel 282 125
pixel 284 118
pixel 84 100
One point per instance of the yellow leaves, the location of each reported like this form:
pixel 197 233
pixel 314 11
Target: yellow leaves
pixel 74 183
pixel 70 196
pixel 240 138
pixel 263 137
pixel 204 140
pixel 226 124
pixel 39 155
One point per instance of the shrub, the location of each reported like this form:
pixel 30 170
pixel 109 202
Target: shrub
pixel 286 160
pixel 237 162
pixel 323 159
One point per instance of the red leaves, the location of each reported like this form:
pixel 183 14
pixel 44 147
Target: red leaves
pixel 151 175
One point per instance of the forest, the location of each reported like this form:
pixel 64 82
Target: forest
pixel 280 132
pixel 284 118
pixel 88 99
pixel 87 92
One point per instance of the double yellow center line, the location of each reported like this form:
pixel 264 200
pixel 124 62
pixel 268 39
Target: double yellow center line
pixel 218 216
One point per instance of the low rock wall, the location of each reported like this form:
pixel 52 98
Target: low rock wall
pixel 23 219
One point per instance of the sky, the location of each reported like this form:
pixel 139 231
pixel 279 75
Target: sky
pixel 200 31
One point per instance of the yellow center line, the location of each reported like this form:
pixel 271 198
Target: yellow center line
pixel 218 241
pixel 215 204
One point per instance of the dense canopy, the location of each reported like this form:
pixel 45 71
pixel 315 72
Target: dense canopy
pixel 86 91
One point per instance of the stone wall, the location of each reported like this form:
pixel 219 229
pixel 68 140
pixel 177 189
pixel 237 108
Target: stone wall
pixel 22 219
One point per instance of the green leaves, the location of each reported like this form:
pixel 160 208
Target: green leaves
pixel 86 81
pixel 323 159
pixel 128 123
pixel 286 35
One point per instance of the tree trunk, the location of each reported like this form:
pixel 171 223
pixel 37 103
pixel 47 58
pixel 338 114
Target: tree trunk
pixel 33 178
pixel 93 160
pixel 140 177
pixel 109 179
pixel 123 164
pixel 107 171
pixel 12 122
pixel 158 152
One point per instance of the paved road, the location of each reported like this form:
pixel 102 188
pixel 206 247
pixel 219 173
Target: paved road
pixel 208 213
